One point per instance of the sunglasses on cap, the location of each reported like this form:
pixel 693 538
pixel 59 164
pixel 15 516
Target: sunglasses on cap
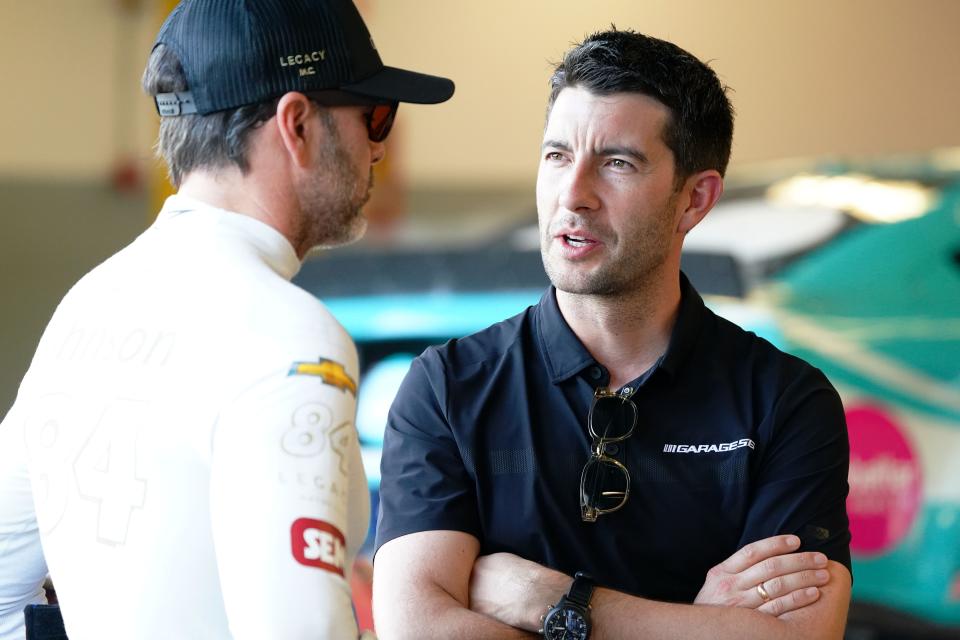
pixel 379 118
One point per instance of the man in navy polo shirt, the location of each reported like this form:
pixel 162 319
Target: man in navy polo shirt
pixel 618 430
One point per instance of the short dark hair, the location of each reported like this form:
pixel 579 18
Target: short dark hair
pixel 700 129
pixel 190 142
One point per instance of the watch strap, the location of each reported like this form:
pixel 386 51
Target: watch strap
pixel 581 590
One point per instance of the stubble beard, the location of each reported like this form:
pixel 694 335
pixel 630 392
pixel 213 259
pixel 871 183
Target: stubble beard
pixel 630 272
pixel 332 199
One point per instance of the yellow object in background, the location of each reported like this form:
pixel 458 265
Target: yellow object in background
pixel 159 183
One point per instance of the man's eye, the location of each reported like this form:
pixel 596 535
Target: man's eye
pixel 553 155
pixel 617 163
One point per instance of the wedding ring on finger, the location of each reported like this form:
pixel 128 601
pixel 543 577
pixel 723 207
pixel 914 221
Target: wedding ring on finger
pixel 763 593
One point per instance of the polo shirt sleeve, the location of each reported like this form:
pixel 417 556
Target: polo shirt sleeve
pixel 425 485
pixel 801 485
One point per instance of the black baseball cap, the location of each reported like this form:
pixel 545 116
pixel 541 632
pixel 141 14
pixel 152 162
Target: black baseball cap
pixel 241 52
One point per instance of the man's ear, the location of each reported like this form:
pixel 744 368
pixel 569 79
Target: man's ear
pixel 704 189
pixel 295 122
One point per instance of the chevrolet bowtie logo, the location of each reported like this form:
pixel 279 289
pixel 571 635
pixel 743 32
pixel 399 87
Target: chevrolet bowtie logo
pixel 330 372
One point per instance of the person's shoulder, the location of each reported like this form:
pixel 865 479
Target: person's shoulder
pixel 297 303
pixel 290 342
pixel 294 316
pixel 764 360
pixel 270 322
pixel 491 344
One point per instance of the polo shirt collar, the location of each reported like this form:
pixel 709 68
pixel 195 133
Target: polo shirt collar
pixel 566 356
pixel 686 330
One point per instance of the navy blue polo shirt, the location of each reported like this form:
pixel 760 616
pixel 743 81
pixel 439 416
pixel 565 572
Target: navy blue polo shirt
pixel 735 441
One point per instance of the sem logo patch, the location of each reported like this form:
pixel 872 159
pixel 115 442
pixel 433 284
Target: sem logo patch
pixel 319 544
pixel 331 372
pixel 709 448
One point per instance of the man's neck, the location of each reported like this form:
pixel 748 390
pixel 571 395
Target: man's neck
pixel 229 189
pixel 627 332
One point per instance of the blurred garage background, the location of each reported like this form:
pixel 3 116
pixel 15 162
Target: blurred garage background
pixel 845 165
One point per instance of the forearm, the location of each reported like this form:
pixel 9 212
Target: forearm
pixel 617 616
pixel 432 613
pixel 513 590
pixel 420 590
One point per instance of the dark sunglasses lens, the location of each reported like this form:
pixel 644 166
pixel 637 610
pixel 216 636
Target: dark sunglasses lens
pixel 381 120
pixel 604 485
pixel 612 417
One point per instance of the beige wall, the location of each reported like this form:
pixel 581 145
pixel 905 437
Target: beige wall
pixel 815 77
pixel 70 104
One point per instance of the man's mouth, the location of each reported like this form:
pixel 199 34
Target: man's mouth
pixel 578 241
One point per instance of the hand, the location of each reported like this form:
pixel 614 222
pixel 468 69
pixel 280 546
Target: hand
pixel 515 591
pixel 789 579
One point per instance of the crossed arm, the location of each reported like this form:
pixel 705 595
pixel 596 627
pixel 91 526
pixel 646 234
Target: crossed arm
pixel 433 584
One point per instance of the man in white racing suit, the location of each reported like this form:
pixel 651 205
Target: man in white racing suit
pixel 182 456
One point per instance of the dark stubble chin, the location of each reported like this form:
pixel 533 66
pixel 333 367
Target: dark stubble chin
pixel 630 272
pixel 332 199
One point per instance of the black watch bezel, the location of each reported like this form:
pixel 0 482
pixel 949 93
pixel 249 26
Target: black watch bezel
pixel 577 602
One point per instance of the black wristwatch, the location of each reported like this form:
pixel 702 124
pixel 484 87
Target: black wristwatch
pixel 569 619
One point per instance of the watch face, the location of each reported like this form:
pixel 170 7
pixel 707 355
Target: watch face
pixel 565 624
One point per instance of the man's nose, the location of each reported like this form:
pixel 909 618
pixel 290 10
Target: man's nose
pixel 578 189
